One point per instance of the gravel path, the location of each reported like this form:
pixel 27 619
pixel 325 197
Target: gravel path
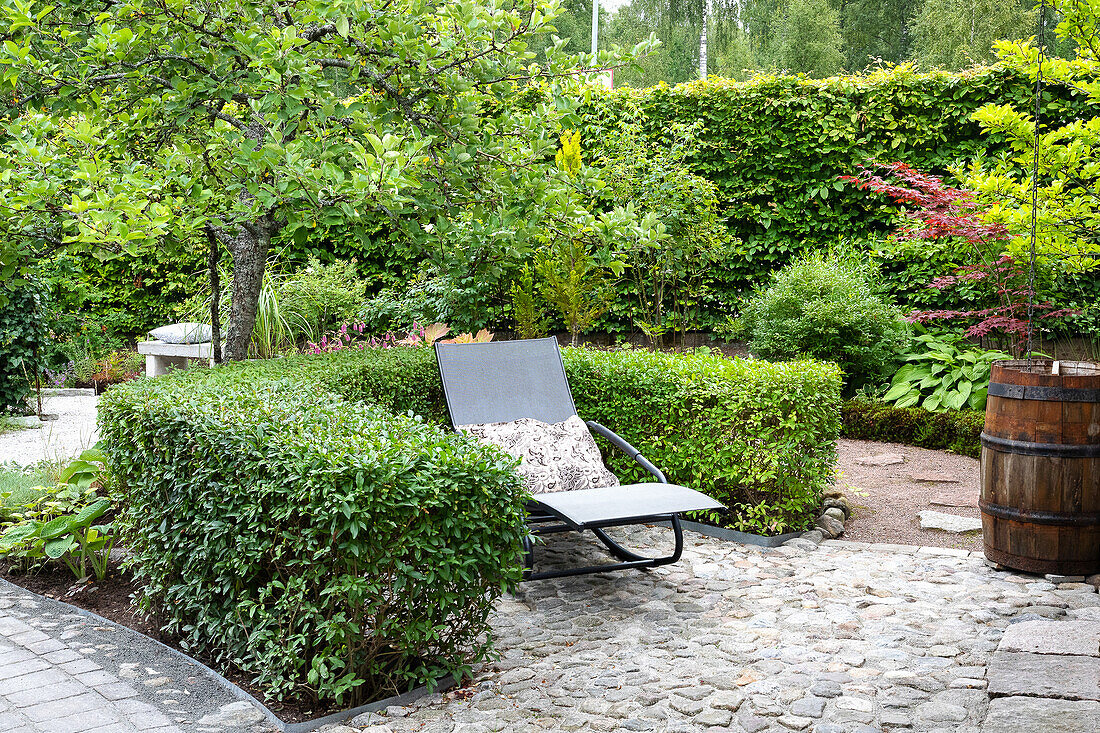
pixel 887 499
pixel 73 431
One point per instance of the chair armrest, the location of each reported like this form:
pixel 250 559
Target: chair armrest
pixel 626 448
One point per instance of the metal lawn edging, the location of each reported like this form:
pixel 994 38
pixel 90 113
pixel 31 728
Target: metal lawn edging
pixel 404 698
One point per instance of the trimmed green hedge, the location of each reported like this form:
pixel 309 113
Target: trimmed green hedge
pixel 330 549
pixel 758 436
pixel 776 145
pixel 955 430
pixel 282 524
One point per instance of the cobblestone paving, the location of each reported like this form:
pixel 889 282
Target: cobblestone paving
pixel 844 637
pixel 833 638
pixel 63 672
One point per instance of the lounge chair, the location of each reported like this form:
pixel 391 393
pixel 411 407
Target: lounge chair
pixel 504 381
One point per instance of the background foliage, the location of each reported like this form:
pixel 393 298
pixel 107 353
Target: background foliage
pixel 815 37
pixel 742 175
pixel 23 336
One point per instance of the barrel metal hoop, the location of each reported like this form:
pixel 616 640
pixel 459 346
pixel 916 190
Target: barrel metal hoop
pixel 1043 394
pixel 1054 450
pixel 1067 519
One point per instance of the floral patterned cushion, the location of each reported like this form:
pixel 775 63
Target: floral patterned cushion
pixel 558 457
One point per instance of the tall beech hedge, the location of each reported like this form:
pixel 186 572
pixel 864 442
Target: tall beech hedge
pixel 308 519
pixel 775 146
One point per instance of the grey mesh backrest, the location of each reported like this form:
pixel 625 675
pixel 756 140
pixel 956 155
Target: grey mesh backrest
pixel 501 381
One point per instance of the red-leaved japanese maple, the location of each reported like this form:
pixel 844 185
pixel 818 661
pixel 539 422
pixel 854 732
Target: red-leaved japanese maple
pixel 939 211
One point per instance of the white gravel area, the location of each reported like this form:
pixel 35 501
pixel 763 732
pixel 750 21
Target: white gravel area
pixel 72 432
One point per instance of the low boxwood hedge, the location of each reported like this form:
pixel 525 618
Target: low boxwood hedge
pixel 331 549
pixel 307 520
pixel 955 430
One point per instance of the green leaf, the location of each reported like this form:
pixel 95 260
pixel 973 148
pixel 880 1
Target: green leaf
pixel 55 548
pixel 978 398
pixel 898 390
pixel 90 513
pixel 910 399
pixel 54 528
pixel 17 534
pixel 343 27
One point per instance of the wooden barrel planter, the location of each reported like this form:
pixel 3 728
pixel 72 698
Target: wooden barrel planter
pixel 1040 467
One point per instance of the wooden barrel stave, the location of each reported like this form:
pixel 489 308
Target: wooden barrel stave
pixel 1040 469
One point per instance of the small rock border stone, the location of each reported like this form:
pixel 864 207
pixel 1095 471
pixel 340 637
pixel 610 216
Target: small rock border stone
pixel 835 510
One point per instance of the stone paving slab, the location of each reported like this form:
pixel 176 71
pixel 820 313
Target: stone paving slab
pixel 1045 675
pixel 1041 715
pixel 68 672
pixel 1045 637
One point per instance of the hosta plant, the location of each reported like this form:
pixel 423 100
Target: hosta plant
pixel 943 372
pixel 71 538
pixel 57 523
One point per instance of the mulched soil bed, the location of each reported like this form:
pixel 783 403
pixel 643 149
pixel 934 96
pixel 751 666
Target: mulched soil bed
pixel 111 599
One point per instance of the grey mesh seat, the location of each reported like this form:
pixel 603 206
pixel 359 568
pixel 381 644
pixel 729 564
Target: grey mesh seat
pixel 502 381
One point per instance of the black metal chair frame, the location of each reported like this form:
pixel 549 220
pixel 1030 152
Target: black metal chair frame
pixel 543 519
pixel 628 559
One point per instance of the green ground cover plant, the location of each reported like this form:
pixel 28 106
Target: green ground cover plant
pixel 943 371
pixel 17 485
pixel 47 518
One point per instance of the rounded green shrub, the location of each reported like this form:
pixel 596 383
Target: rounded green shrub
pixel 823 307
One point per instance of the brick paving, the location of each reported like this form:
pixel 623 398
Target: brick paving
pixel 66 672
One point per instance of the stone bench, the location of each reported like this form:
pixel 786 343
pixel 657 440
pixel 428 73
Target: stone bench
pixel 161 356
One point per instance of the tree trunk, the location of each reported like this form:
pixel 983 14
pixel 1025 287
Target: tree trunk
pixel 213 255
pixel 249 249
